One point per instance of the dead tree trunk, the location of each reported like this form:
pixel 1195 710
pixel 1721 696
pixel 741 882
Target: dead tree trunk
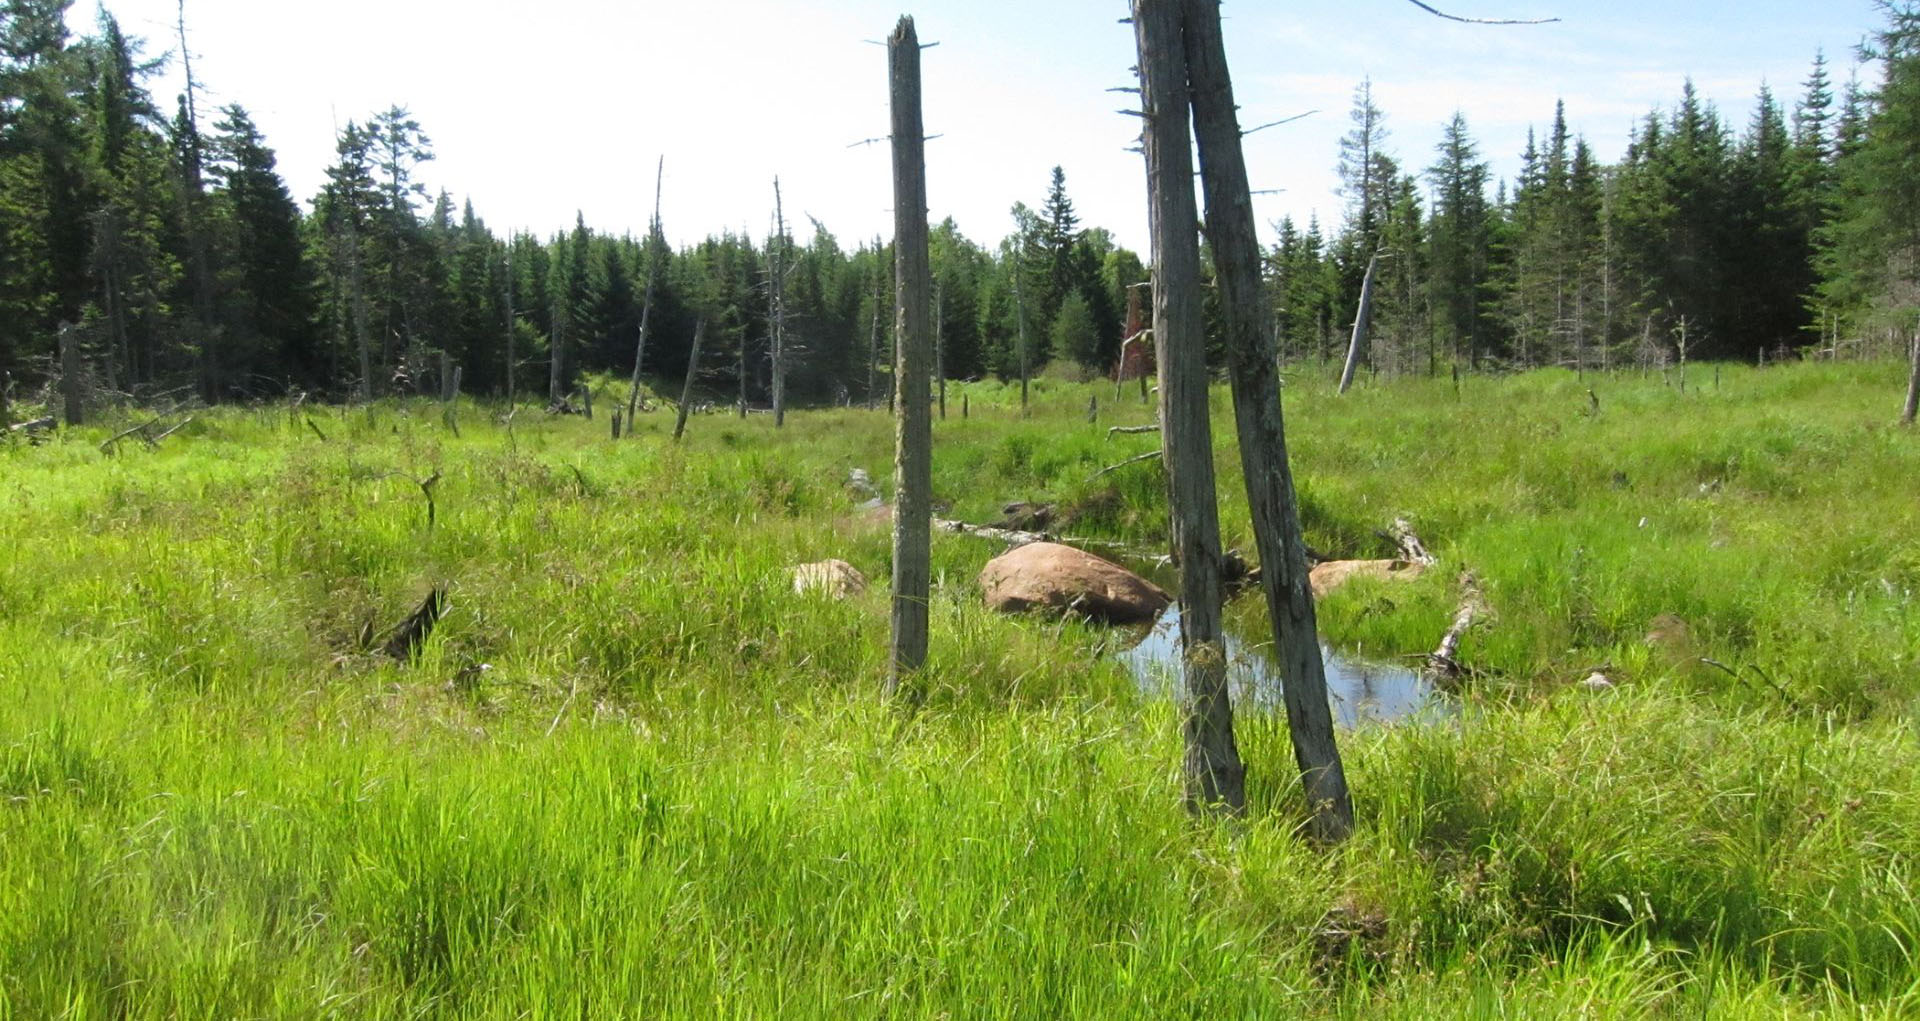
pixel 562 318
pixel 1263 442
pixel 686 389
pixel 646 307
pixel 742 405
pixel 1214 774
pixel 1913 383
pixel 70 376
pixel 873 342
pixel 939 347
pixel 195 199
pixel 356 285
pixel 777 307
pixel 1020 317
pixel 510 364
pixel 1360 318
pixel 913 428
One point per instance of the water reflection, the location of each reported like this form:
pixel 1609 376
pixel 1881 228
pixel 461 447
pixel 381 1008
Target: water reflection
pixel 1360 691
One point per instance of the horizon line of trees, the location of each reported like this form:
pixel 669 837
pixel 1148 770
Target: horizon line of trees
pixel 173 255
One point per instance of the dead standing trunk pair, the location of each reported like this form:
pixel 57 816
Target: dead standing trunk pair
pixel 1182 61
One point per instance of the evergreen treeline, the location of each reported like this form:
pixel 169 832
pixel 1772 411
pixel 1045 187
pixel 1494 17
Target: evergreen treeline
pixel 1701 236
pixel 166 246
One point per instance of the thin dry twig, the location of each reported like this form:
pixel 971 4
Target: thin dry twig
pixel 1148 456
pixel 1436 12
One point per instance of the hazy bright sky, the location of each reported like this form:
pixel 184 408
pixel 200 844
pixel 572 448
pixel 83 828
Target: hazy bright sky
pixel 537 110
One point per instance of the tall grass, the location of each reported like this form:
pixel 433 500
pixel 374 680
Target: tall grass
pixel 633 775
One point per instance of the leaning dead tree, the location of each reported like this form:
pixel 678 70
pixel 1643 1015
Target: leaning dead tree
pixel 686 389
pixel 913 422
pixel 1257 411
pixel 1215 776
pixel 655 238
pixel 1361 320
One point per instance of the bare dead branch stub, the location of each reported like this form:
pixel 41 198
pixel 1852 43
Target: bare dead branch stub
pixel 1436 12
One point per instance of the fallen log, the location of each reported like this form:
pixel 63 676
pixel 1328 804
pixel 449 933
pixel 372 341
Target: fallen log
pixel 1411 549
pixel 140 430
pixel 1148 456
pixel 1443 663
pixel 411 634
pixel 182 424
pixel 1015 537
pixel 1132 429
pixel 35 425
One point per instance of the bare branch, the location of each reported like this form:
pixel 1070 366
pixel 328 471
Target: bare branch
pixel 1275 124
pixel 1436 12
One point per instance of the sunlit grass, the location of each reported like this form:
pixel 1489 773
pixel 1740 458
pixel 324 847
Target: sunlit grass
pixel 633 775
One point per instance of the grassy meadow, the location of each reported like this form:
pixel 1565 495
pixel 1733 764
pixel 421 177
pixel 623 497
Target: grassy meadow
pixel 631 774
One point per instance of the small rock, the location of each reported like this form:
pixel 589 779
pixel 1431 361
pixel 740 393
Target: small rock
pixel 861 485
pixel 1329 576
pixel 1049 576
pixel 1026 517
pixel 836 579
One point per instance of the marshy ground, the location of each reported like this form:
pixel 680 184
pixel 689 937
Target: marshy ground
pixel 632 774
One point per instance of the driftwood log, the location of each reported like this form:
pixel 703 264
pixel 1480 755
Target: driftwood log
pixel 1443 662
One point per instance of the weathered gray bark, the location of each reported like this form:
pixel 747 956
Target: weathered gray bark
pixel 777 306
pixel 646 306
pixel 686 389
pixel 1913 384
pixel 873 343
pixel 939 347
pixel 75 410
pixel 511 367
pixel 357 299
pixel 1214 774
pixel 913 424
pixel 1360 318
pixel 1257 407
pixel 562 319
pixel 1020 317
pixel 200 267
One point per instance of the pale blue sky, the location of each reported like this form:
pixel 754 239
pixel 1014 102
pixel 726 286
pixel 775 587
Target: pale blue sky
pixel 539 109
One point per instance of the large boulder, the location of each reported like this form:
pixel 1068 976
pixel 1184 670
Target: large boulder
pixel 835 579
pixel 1335 573
pixel 1049 576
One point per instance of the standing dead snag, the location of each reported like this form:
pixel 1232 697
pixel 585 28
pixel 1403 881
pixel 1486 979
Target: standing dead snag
pixel 686 389
pixel 70 383
pixel 777 307
pixel 913 422
pixel 1215 776
pixel 1263 440
pixel 646 307
pixel 1913 385
pixel 1360 323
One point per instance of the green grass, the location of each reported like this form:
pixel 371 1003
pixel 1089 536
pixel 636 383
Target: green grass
pixel 633 775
